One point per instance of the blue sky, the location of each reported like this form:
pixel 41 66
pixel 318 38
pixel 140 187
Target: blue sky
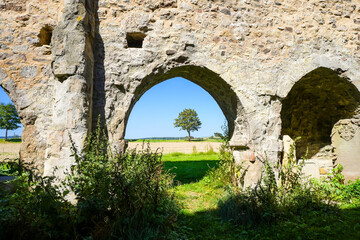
pixel 4 98
pixel 153 115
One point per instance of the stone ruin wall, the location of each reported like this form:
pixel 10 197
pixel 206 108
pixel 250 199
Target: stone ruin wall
pixel 50 108
pixel 25 68
pixel 254 50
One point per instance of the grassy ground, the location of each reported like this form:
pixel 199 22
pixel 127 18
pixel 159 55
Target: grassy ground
pixel 199 217
pixel 189 168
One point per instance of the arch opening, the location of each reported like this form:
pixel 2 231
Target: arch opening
pixel 313 106
pixel 212 83
pixel 153 116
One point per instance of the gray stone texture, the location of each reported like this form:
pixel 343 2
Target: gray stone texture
pixel 3 75
pixel 247 54
pixel 28 71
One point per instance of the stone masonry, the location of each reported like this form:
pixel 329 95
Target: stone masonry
pixel 64 62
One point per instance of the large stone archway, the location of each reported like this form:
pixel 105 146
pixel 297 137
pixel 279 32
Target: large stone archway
pixel 211 82
pixel 218 88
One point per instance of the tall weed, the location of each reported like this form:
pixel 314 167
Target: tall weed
pixel 281 192
pixel 118 196
pixel 227 173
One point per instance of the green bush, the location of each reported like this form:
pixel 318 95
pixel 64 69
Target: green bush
pixel 125 194
pixel 352 190
pixel 35 209
pixel 8 168
pixel 118 196
pixel 333 187
pixel 227 173
pixel 281 193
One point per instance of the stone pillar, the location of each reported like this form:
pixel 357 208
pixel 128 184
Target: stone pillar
pixel 244 155
pixel 73 67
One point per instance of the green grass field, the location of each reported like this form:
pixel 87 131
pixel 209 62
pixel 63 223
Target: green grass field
pixel 11 140
pixel 189 168
pixel 199 218
pixel 176 140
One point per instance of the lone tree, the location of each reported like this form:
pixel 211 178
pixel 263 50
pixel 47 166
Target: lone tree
pixel 188 120
pixel 9 118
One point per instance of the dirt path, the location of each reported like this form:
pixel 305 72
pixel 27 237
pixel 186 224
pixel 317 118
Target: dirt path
pixel 183 147
pixel 9 150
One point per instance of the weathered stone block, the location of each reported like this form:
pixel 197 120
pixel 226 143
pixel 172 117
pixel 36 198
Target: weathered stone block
pixel 3 75
pixel 311 169
pixel 20 48
pixel 62 69
pixel 28 71
pixel 346 140
pixel 13 5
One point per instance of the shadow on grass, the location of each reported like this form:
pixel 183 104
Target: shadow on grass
pixel 333 224
pixel 189 171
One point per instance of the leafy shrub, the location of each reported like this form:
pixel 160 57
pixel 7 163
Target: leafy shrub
pixel 118 196
pixel 227 173
pixel 352 191
pixel 269 202
pixel 333 187
pixel 281 192
pixel 8 168
pixel 36 209
pixel 125 194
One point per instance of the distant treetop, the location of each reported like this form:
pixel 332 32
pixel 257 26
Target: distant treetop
pixel 188 120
